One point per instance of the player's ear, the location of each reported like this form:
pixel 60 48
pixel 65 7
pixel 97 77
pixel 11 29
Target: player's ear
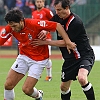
pixel 21 21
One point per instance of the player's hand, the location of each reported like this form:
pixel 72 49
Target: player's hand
pixel 37 42
pixel 42 35
pixel 71 46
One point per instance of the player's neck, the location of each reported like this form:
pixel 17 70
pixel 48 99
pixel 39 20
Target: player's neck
pixel 40 9
pixel 23 24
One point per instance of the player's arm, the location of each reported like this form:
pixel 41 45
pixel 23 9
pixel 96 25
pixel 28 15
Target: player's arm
pixel 3 40
pixel 52 26
pixel 59 43
pixel 4 36
pixel 62 32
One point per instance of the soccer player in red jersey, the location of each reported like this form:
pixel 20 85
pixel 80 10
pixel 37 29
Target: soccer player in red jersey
pixel 31 59
pixel 44 14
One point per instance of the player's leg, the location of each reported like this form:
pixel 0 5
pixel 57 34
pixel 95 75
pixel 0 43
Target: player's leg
pixel 29 87
pixel 30 90
pixel 82 78
pixel 16 73
pixel 49 71
pixel 34 73
pixel 65 90
pixel 66 78
pixel 12 79
pixel 49 67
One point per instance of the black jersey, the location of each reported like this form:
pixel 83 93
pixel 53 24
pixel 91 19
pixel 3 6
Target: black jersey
pixel 76 32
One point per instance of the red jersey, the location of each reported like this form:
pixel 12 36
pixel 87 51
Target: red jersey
pixel 27 34
pixel 43 14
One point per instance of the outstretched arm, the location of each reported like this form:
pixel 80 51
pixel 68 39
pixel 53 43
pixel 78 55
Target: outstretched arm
pixel 59 43
pixel 52 26
pixel 62 32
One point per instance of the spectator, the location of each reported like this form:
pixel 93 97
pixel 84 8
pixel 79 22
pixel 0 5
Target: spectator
pixel 30 4
pixel 19 4
pixel 72 1
pixel 1 7
pixel 52 7
pixel 9 4
pixel 81 2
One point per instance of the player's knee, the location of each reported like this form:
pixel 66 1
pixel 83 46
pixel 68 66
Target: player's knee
pixel 82 80
pixel 8 86
pixel 63 87
pixel 26 90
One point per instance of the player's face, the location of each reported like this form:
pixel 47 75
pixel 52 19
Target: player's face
pixel 61 12
pixel 39 4
pixel 17 27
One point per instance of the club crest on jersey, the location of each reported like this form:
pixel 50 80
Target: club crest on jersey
pixel 30 36
pixel 41 16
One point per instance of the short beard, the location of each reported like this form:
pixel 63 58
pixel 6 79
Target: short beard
pixel 39 8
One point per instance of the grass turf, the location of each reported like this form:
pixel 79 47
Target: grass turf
pixel 51 89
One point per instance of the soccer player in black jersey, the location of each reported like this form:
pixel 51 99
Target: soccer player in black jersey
pixel 77 64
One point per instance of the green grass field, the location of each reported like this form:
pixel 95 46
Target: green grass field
pixel 51 89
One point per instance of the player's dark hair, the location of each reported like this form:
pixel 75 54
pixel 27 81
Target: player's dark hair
pixel 65 3
pixel 14 15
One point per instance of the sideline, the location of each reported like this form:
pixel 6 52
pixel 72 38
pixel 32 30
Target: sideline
pixel 13 54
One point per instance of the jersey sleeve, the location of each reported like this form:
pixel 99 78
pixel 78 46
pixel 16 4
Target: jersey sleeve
pixel 49 13
pixel 4 35
pixel 54 18
pixel 45 25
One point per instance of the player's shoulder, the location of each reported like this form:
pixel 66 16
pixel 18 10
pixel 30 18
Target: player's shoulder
pixel 35 11
pixel 29 22
pixel 8 28
pixel 77 20
pixel 55 18
pixel 46 9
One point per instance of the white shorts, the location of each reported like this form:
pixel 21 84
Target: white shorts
pixel 24 64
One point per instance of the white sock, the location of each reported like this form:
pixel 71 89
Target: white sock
pixel 65 92
pixel 35 94
pixel 49 68
pixel 9 94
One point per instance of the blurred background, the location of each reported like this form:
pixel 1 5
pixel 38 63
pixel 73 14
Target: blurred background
pixel 88 10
